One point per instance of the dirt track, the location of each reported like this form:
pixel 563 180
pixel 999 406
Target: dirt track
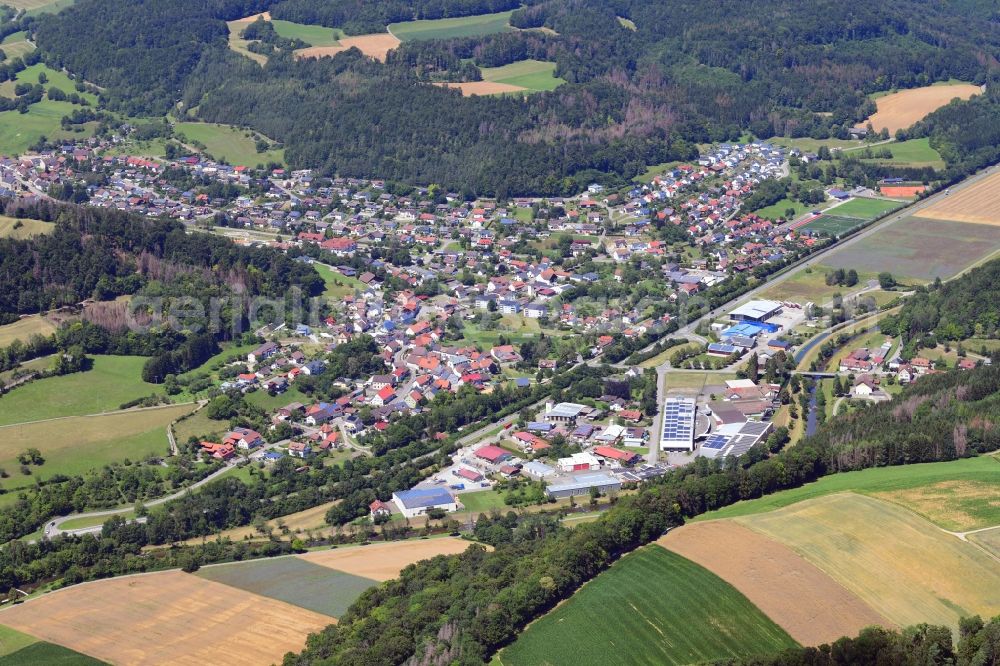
pixel 804 601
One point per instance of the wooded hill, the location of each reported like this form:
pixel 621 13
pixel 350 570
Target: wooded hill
pixel 634 98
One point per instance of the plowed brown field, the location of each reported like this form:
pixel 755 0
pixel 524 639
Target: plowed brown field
pixel 812 607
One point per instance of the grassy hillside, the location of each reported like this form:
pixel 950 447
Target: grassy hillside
pixel 963 481
pixel 530 74
pixel 651 607
pixel 229 144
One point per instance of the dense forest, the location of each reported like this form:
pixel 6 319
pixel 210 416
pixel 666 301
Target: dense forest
pixel 952 311
pixel 447 610
pixel 103 253
pixel 634 97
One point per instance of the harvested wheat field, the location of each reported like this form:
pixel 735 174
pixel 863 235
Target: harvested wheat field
pixel 373 46
pixel 253 17
pixel 384 561
pixel 978 204
pixel 959 506
pixel 471 88
pixel 900 110
pixel 801 599
pixel 903 566
pixel 168 617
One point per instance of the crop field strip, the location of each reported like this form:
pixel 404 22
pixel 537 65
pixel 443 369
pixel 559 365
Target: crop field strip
pixel 168 617
pixel 920 574
pixel 799 597
pixel 651 607
pixel 977 204
pixel 384 561
pixel 293 580
pixel 450 28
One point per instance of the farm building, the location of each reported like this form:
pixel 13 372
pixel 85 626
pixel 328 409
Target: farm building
pixel 678 424
pixel 756 311
pixel 419 501
pixel 581 484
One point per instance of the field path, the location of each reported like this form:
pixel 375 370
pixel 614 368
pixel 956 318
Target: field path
pixel 81 416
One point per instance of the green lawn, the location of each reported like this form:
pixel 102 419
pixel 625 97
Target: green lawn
pixel 18 130
pixel 912 153
pixel 269 402
pixel 337 285
pixel 866 209
pixel 530 74
pixel 112 381
pixel 482 501
pixel 777 210
pixel 651 607
pixel 229 144
pixel 810 145
pixel 449 28
pixel 12 640
pixel 76 445
pixel 833 225
pixel 956 481
pixel 313 35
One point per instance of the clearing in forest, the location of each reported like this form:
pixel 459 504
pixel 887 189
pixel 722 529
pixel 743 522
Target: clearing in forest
pixel 903 566
pixel 812 607
pixel 901 109
pixel 168 617
pixel 374 46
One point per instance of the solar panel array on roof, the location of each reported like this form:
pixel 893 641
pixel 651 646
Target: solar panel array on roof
pixel 678 424
pixel 716 441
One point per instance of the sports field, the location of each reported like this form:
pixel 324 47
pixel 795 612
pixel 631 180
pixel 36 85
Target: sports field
pixel 902 191
pixel 805 602
pixel 78 444
pixel 866 209
pixel 651 607
pixel 169 617
pixel 920 248
pixel 293 580
pixel 112 381
pixel 900 564
pixel 900 110
pixel 449 28
pixel 833 225
pixel 384 561
pixel 979 204
pixel 229 144
pixel 964 511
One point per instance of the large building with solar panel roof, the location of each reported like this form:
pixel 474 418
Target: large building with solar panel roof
pixel 678 424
